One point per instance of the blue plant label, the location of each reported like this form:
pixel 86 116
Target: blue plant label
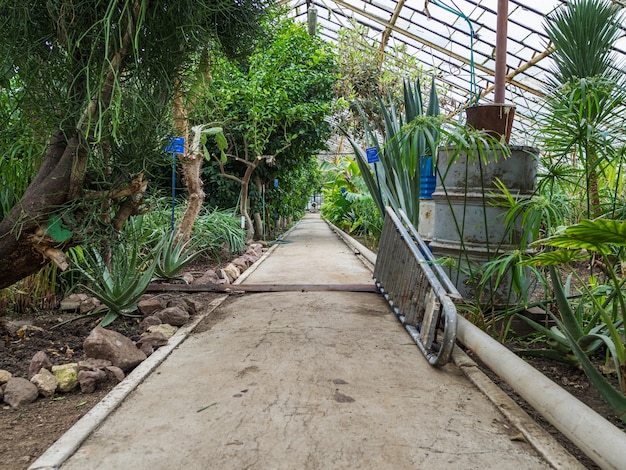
pixel 176 145
pixel 372 154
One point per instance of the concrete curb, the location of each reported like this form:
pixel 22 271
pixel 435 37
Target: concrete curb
pixel 538 438
pixel 69 442
pixel 542 441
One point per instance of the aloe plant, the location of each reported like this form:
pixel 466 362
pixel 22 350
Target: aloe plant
pixel 118 286
pixel 174 254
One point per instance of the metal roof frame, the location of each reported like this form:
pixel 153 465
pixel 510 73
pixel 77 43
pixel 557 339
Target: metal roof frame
pixel 441 41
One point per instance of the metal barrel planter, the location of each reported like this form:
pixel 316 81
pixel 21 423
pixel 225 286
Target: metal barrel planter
pixel 428 183
pixel 469 218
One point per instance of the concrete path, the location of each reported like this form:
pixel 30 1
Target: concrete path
pixel 304 380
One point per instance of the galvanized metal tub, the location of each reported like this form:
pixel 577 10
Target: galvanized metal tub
pixel 469 226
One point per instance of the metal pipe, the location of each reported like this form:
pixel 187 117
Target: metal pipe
pixel 604 443
pixel 501 38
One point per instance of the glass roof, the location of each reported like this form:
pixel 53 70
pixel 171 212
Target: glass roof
pixel 445 35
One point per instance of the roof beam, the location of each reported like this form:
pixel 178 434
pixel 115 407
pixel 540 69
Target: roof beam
pixel 387 33
pixel 429 44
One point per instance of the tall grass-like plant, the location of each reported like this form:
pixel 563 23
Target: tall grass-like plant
pixel 597 318
pixel 400 152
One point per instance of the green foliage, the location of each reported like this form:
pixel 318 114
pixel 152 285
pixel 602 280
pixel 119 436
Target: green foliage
pixel 119 285
pixel 406 138
pixel 174 255
pixel 347 203
pixel 102 73
pixel 215 232
pixel 595 318
pixel 273 109
pixel 583 144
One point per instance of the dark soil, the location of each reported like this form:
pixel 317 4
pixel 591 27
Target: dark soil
pixel 28 431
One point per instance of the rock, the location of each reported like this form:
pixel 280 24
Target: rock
pixel 67 375
pixel 150 306
pixel 112 346
pixel 180 303
pixel 145 348
pixel 224 278
pixel 115 373
pixel 250 258
pixel 72 303
pixel 165 329
pixel 155 339
pixel 93 364
pixel 46 382
pixel 187 277
pixel 90 379
pixel 89 305
pixel 232 271
pixel 5 375
pixel 209 277
pixel 149 321
pixel 257 248
pixel 192 305
pixel 39 361
pixel 241 263
pixel 19 392
pixel 175 316
pixel 12 326
pixel 28 331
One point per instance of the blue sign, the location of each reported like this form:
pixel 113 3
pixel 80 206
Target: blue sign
pixel 176 145
pixel 372 154
pixel 276 182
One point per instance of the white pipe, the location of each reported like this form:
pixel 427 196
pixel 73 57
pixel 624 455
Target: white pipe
pixel 600 440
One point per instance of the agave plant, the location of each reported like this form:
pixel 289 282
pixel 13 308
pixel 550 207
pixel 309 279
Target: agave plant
pixel 400 154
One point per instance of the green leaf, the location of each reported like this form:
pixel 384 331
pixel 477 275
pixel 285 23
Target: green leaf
pixel 57 230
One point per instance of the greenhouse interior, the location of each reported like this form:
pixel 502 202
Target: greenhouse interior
pixel 373 233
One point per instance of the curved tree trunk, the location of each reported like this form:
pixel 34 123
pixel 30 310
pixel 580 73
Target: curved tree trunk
pixel 24 245
pixel 22 231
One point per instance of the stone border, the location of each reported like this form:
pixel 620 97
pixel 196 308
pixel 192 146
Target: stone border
pixel 64 447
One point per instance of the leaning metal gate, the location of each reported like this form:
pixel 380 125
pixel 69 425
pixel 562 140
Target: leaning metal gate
pixel 418 291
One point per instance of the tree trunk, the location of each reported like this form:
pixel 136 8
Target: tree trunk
pixel 192 164
pixel 19 229
pixel 243 205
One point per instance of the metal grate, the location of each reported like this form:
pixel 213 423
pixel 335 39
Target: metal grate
pixel 418 291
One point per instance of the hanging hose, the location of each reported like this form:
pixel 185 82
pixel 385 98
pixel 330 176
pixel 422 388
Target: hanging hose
pixel 473 91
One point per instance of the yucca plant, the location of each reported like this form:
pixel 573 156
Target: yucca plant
pixel 585 98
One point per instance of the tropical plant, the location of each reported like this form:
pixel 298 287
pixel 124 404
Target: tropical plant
pixel 596 318
pixel 118 285
pixel 273 110
pixel 584 102
pixel 97 78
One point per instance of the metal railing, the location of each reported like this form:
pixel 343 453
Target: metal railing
pixel 418 291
